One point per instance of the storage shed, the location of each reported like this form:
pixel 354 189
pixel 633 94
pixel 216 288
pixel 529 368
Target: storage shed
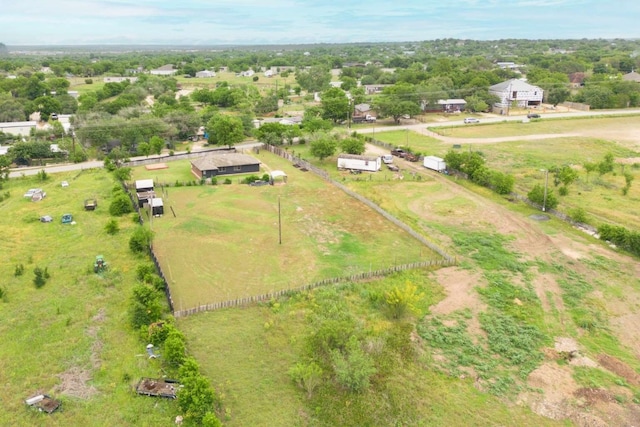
pixel 144 191
pixel 157 206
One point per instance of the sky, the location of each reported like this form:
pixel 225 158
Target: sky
pixel 272 22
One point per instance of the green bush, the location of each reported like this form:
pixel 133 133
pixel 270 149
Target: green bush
pixel 112 226
pixel 227 181
pixel 140 240
pixel 536 195
pixel 40 277
pixel 19 271
pixel 578 215
pixel 120 205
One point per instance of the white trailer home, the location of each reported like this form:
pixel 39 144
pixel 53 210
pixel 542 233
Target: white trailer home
pixel 361 163
pixel 435 163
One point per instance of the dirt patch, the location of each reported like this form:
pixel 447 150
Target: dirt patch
pixel 74 382
pixel 461 294
pixel 557 385
pixel 620 368
pixel 549 292
pixel 626 329
pixel 592 396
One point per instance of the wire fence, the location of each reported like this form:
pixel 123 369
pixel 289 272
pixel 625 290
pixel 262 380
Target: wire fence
pixel 303 165
pixel 245 301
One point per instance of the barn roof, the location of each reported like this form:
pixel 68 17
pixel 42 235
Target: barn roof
pixel 216 161
pixel 144 183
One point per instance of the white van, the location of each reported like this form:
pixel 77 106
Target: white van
pixel 387 159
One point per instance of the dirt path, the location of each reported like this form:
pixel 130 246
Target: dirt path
pixel 562 398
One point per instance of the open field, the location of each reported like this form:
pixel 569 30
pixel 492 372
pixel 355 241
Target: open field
pixel 70 338
pixel 231 233
pixel 249 352
pixel 555 282
pixel 601 197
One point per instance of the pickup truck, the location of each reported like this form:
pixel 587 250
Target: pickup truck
pixel 399 152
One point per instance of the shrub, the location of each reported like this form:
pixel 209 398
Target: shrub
pixel 42 175
pixel 120 205
pixel 308 376
pixel 227 181
pixel 578 215
pixel 88 81
pixel 536 195
pixel 145 306
pixel 143 271
pixel 174 348
pixel 140 240
pixel 19 271
pixel 78 156
pixel 122 174
pixel 112 227
pixel 563 190
pixel 40 277
pixel 353 367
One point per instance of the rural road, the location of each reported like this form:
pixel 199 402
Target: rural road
pixel 422 128
pixel 93 164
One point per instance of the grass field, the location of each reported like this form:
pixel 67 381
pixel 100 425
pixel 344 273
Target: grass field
pixel 601 197
pixel 250 351
pixel 70 338
pixel 231 233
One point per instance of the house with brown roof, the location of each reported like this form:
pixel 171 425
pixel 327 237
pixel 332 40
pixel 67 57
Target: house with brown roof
pixel 224 164
pixel 632 77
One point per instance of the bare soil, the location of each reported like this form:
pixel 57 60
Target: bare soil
pixel 560 396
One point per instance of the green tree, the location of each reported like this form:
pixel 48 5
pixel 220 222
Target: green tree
pixel 145 307
pixel 156 144
pixel 323 146
pixel 140 240
pixel 174 348
pixel 536 195
pixel 225 130
pixel 196 397
pixel 606 165
pixel 120 205
pixel 352 146
pixel 315 79
pixel 335 104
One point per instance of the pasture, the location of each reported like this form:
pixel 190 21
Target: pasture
pixel 224 242
pixel 70 338
pixel 600 196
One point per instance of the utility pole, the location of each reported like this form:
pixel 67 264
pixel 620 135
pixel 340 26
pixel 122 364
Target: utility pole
pixel 279 223
pixel 546 182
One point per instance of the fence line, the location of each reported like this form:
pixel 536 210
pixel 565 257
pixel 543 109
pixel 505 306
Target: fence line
pixel 446 260
pixel 245 301
pixel 180 156
pixel 303 164
pixel 154 258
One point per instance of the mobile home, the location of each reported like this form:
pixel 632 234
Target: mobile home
pixel 362 163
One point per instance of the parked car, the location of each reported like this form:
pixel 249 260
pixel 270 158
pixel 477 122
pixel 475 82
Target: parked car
pixel 471 120
pixel 533 116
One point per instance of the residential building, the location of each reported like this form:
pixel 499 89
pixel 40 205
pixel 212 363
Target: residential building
pixel 516 91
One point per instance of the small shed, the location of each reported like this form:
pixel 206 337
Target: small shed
pixel 278 174
pixel 157 206
pixel 144 191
